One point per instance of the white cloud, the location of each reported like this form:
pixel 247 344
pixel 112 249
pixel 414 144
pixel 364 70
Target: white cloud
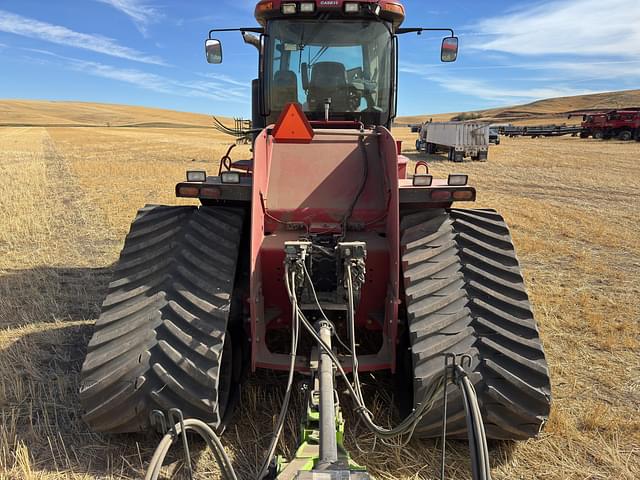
pixel 225 90
pixel 576 27
pixel 29 27
pixel 505 95
pixel 491 91
pixel 141 13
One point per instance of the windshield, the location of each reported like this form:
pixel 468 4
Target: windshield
pixel 349 62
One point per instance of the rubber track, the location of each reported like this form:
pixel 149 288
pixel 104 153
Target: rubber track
pixel 159 340
pixel 465 294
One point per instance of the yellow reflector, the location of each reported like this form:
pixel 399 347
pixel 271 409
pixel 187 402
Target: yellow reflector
pixel 393 8
pixel 463 195
pixel 264 7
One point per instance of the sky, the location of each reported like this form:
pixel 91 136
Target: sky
pixel 151 52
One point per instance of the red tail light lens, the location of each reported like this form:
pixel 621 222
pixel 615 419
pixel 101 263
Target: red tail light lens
pixel 210 192
pixel 187 191
pixel 440 195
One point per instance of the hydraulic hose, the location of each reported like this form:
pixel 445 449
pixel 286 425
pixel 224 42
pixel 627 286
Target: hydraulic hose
pixel 207 434
pixel 292 370
pixel 476 433
pixel 478 449
pixel 408 425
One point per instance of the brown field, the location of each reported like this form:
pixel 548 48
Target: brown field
pixel 67 196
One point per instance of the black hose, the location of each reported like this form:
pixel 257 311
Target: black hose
pixel 363 184
pixel 208 435
pixel 478 449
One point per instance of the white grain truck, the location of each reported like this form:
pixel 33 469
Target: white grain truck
pixel 458 139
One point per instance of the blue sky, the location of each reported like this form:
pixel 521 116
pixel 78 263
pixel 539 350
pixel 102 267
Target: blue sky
pixel 150 52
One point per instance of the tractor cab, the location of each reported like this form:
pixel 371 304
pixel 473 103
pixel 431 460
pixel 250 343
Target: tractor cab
pixel 337 59
pixel 341 70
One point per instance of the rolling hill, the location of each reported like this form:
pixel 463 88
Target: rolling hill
pixel 552 109
pixel 69 114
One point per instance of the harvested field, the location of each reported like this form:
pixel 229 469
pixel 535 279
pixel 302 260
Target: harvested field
pixel 67 196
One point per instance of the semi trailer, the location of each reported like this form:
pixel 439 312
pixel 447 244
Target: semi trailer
pixel 459 140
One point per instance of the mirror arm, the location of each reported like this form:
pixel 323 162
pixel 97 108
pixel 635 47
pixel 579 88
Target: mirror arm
pixel 402 31
pixel 258 30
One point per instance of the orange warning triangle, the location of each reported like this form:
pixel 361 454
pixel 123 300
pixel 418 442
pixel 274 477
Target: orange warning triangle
pixel 293 126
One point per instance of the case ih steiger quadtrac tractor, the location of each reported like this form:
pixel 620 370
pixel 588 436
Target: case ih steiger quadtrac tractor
pixel 321 256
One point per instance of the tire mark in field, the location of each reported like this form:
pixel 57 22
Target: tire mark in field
pixel 66 274
pixel 78 223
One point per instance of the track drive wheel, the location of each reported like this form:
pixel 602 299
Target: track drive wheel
pixel 464 294
pixel 163 338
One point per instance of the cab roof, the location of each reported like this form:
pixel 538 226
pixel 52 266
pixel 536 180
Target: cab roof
pixel 389 10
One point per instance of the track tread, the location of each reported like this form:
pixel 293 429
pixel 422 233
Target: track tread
pixel 488 316
pixel 158 342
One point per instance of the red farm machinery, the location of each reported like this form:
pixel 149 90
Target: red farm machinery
pixel 322 257
pixel 622 124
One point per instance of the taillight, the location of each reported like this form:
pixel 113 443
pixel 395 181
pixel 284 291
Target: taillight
pixel 463 195
pixel 188 191
pixel 440 195
pixel 210 192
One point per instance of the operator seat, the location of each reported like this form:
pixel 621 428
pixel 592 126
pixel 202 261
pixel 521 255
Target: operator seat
pixel 329 80
pixel 284 90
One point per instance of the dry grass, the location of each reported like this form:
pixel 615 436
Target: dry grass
pixel 67 196
pixel 43 113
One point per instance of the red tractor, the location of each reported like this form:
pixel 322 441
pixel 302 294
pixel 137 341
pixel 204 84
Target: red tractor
pixel 319 253
pixel 621 124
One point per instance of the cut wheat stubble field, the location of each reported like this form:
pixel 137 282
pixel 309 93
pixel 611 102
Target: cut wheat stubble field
pixel 68 195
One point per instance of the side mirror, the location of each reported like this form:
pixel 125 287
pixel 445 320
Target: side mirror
pixel 449 52
pixel 213 48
